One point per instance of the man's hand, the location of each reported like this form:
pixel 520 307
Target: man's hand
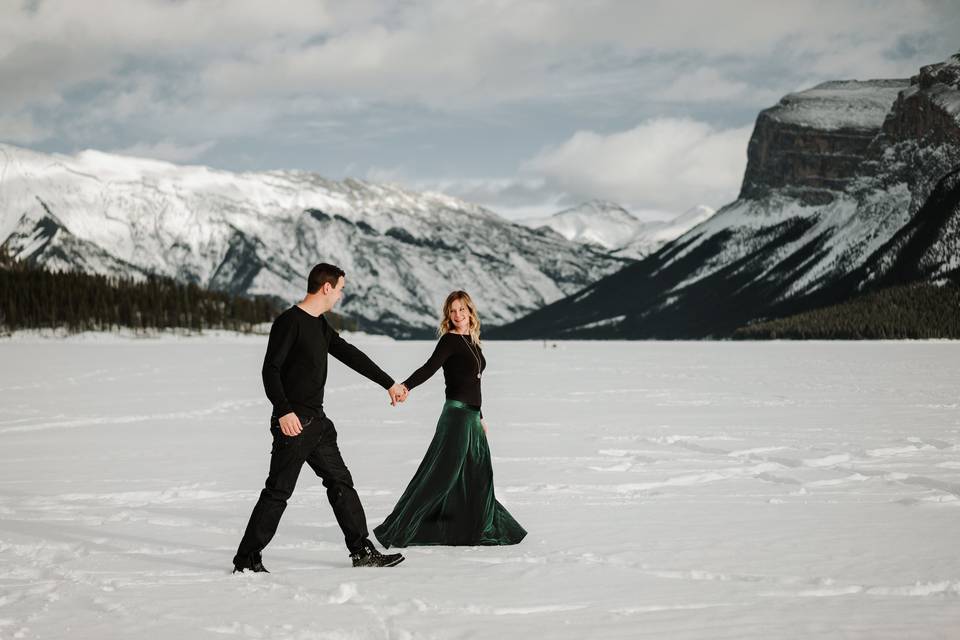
pixel 290 424
pixel 398 393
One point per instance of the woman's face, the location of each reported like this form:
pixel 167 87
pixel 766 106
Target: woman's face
pixel 460 316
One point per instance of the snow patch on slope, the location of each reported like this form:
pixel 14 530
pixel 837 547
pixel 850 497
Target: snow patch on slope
pixel 841 104
pixel 613 228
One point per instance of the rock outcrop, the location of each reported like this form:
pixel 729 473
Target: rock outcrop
pixel 812 143
pixel 832 205
pixel 928 109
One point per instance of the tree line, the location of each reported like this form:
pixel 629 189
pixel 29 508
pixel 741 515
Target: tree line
pixel 32 297
pixel 916 311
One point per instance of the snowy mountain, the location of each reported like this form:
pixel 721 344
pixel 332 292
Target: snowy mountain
pixel 605 224
pixel 927 248
pixel 613 228
pixel 653 235
pixel 259 233
pixel 833 194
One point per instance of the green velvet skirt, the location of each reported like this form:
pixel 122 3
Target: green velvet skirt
pixel 450 499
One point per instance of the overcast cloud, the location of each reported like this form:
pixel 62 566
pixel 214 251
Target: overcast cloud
pixel 523 106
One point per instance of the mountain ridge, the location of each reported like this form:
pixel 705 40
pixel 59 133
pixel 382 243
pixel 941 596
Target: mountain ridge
pixel 817 207
pixel 610 226
pixel 259 233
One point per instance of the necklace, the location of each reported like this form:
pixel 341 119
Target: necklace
pixel 467 342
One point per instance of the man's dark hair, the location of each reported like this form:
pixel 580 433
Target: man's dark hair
pixel 322 274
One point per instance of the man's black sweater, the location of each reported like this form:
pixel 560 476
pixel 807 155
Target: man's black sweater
pixel 295 366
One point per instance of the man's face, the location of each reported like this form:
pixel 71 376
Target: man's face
pixel 337 292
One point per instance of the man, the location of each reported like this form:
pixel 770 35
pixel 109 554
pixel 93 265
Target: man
pixel 294 374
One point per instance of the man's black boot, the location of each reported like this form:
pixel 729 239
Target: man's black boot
pixel 368 556
pixel 255 565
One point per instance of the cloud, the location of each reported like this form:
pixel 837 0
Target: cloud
pixel 476 54
pixel 167 150
pixel 396 174
pixel 21 128
pixel 663 164
pixel 446 55
pixel 512 198
pixel 69 54
pixel 299 83
pixel 711 85
pixel 39 74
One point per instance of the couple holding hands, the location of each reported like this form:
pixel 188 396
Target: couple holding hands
pixel 449 501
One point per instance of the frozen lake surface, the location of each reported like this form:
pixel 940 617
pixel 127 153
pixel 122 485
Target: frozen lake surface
pixel 670 490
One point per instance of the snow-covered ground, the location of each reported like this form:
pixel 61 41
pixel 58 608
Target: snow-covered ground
pixel 670 490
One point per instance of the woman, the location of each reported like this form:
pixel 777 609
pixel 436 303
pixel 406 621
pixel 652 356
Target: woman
pixel 450 499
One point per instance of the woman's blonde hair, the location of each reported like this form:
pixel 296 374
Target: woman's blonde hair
pixel 446 325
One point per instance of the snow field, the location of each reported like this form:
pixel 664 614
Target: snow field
pixel 671 490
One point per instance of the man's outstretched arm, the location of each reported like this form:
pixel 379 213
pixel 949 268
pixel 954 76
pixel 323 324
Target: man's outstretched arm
pixel 362 364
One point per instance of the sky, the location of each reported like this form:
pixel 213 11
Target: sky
pixel 525 107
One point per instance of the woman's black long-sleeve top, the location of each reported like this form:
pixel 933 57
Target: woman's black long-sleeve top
pixel 461 360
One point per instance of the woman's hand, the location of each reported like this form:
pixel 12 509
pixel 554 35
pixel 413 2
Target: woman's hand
pixel 398 393
pixel 484 425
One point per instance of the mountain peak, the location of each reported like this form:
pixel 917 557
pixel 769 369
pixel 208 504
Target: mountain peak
pixel 598 222
pixel 839 104
pixel 840 194
pixel 261 232
pixel 596 205
pixel 608 225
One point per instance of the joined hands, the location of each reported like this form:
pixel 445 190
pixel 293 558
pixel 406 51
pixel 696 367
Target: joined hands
pixel 398 393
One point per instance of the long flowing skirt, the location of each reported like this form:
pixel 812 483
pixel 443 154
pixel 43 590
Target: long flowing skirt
pixel 450 500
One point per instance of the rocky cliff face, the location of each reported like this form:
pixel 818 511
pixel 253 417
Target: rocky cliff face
pixel 812 143
pixel 833 196
pixel 928 109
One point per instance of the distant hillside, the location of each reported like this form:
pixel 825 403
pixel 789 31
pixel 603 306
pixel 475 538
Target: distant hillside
pixel 260 233
pixel 850 187
pixel 612 228
pixel 32 297
pixel 919 311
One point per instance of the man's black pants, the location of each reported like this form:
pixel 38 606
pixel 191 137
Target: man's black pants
pixel 317 446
